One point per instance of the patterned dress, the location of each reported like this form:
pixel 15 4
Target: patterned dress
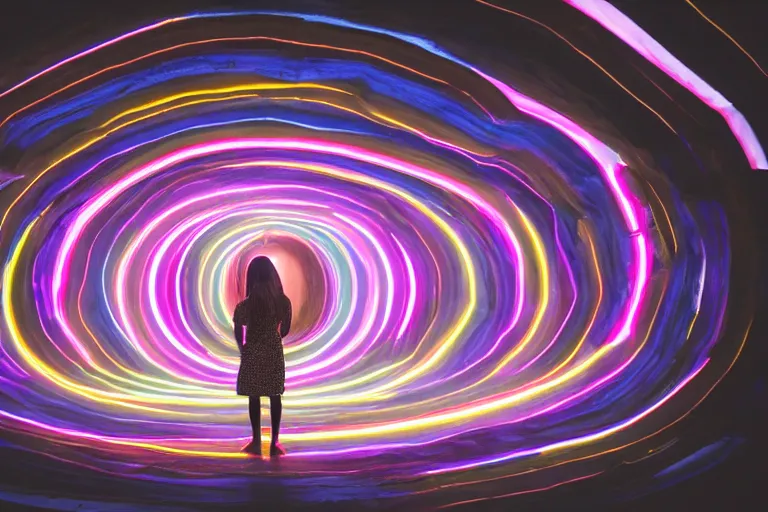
pixel 262 362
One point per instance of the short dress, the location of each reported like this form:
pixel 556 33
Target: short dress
pixel 262 362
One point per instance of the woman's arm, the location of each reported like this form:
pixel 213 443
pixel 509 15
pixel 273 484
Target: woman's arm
pixel 238 330
pixel 285 321
pixel 239 336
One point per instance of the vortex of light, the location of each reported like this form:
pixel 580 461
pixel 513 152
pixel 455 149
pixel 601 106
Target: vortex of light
pixel 469 267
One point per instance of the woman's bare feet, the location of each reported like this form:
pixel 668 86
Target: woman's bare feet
pixel 253 448
pixel 276 449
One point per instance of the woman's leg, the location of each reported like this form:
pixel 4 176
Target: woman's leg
pixel 254 411
pixel 276 412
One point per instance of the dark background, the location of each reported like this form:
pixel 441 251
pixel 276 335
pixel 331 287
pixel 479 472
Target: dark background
pixel 35 34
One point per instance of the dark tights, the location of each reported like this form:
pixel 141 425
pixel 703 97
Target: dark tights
pixel 275 411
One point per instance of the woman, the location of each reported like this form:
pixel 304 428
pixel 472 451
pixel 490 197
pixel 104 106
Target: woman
pixel 266 316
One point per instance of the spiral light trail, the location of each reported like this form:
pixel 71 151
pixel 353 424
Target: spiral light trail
pixel 465 262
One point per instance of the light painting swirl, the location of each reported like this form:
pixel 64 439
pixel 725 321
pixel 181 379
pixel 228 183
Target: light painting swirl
pixel 478 280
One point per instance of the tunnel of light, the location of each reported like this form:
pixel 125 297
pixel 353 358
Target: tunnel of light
pixel 469 267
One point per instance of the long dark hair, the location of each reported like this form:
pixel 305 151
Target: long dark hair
pixel 263 283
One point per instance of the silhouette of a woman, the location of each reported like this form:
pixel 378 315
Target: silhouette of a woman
pixel 266 316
